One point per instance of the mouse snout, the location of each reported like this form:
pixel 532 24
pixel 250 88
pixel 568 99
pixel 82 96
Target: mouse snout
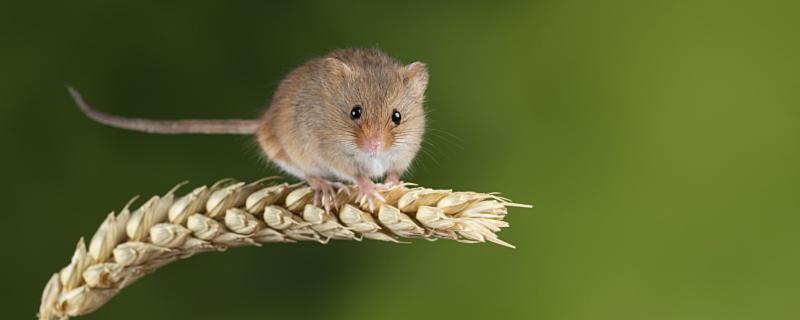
pixel 374 141
pixel 373 145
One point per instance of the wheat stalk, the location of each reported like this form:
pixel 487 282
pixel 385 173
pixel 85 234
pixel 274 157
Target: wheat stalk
pixel 229 214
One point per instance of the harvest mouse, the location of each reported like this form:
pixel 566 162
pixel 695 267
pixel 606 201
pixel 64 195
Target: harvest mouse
pixel 351 116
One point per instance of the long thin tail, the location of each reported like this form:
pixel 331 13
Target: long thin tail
pixel 187 126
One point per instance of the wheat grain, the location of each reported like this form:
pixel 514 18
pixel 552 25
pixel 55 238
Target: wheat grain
pixel 228 214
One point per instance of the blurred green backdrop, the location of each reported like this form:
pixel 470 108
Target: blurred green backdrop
pixel 657 140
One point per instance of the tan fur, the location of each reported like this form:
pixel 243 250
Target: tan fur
pixel 307 130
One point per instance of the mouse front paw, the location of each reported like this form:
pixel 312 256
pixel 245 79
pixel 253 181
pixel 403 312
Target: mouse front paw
pixel 368 193
pixel 324 192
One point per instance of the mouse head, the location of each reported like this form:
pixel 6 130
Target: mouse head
pixel 378 102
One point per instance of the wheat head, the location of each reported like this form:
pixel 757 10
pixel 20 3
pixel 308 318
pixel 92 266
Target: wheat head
pixel 228 214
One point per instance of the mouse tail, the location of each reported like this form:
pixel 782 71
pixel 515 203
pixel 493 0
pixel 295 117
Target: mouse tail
pixel 188 126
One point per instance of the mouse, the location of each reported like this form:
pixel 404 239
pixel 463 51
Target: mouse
pixel 352 116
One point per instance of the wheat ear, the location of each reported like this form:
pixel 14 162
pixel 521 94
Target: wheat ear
pixel 228 214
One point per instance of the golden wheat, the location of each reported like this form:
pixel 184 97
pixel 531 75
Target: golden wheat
pixel 228 214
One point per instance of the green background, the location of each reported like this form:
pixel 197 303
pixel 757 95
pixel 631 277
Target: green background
pixel 658 142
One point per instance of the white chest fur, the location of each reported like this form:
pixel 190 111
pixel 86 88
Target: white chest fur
pixel 375 166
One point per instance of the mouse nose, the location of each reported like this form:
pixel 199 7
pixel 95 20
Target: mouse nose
pixel 374 140
pixel 373 145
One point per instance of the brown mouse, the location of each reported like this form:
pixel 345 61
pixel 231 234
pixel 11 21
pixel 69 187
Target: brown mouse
pixel 352 115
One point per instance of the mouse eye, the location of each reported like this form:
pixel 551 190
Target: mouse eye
pixel 355 113
pixel 396 117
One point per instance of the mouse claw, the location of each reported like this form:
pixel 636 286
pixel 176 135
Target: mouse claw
pixel 371 205
pixel 316 199
pixel 324 193
pixel 379 196
pixel 326 204
pixel 368 194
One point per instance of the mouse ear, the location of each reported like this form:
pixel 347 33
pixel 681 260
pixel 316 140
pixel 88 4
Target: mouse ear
pixel 337 67
pixel 415 76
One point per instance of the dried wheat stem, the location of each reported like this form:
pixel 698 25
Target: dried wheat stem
pixel 228 214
